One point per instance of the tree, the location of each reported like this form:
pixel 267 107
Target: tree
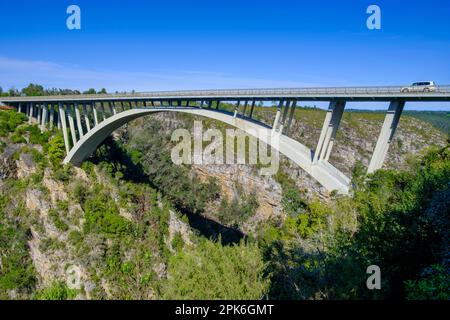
pixel 90 91
pixel 33 90
pixel 102 91
pixel 56 150
pixel 13 92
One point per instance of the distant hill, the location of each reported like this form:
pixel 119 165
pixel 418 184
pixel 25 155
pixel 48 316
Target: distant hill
pixel 439 119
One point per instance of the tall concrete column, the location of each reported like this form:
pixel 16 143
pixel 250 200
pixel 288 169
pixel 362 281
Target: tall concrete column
pixel 112 108
pixel 218 105
pixel 62 117
pixel 28 109
pixel 277 116
pixel 291 115
pixel 283 118
pixel 329 130
pixel 59 116
pixel 19 108
pixel 71 124
pixel 39 109
pixel 86 118
pixel 94 110
pixel 52 116
pixel 236 109
pixel 30 116
pixel 386 135
pixel 245 108
pixel 44 116
pixel 78 117
pixel 251 109
pixel 102 107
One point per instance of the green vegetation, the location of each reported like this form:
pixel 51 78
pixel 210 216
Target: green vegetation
pixel 16 269
pixel 57 291
pixel 439 119
pixel 213 271
pixel 56 150
pixel 116 219
pixel 9 121
pixel 401 224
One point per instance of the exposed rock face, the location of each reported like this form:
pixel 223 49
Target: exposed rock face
pixel 25 165
pixel 265 188
pixel 176 226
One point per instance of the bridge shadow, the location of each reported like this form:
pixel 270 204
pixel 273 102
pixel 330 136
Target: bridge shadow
pixel 121 161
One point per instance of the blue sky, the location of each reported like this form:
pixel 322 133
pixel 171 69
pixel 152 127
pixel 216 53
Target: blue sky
pixel 165 45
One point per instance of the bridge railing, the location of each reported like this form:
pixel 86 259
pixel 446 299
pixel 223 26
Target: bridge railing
pixel 284 91
pixel 269 92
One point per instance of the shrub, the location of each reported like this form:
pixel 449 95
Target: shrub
pixel 57 291
pixel 56 150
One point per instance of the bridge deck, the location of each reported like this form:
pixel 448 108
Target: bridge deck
pixel 442 93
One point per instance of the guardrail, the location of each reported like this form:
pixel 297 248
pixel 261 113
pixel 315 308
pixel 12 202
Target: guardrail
pixel 358 91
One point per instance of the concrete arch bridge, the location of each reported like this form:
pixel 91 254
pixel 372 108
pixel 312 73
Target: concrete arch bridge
pixel 86 120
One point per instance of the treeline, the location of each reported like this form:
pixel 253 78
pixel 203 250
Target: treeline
pixel 39 90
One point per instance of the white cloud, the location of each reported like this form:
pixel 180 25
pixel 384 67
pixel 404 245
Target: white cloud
pixel 20 73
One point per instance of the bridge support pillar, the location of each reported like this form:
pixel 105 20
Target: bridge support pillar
pixel 62 120
pixel 52 115
pixel 44 116
pixel 291 115
pixel 78 117
pixel 251 109
pixel 387 133
pixel 59 122
pixel 102 107
pixel 39 108
pixel 283 118
pixel 71 124
pixel 329 130
pixel 30 115
pixel 277 117
pixel 19 108
pixel 112 108
pixel 245 108
pixel 236 109
pixel 94 110
pixel 86 118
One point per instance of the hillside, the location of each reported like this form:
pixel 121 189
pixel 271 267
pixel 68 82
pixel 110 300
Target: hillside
pixel 129 224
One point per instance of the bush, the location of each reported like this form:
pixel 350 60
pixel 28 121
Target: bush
pixel 434 284
pixel 57 291
pixel 16 268
pixel 56 150
pixel 15 138
pixel 102 214
pixel 57 221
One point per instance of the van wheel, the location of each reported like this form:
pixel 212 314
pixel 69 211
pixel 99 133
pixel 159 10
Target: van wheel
pixel 426 90
pixel 405 90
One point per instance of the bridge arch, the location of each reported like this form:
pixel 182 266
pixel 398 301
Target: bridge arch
pixel 323 172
